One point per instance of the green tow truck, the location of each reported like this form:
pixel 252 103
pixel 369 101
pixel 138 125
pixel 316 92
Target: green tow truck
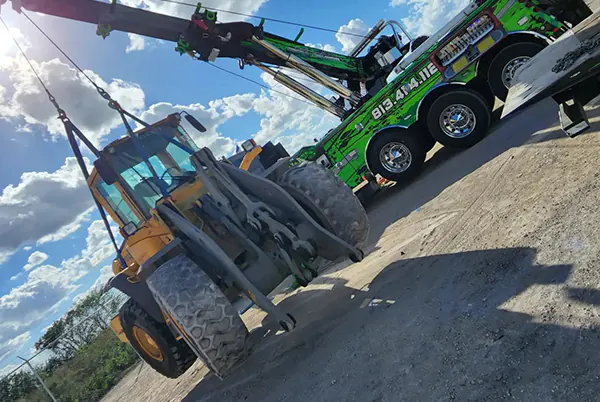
pixel 441 89
pixel 396 95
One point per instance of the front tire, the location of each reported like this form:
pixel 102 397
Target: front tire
pixel 398 155
pixel 154 342
pixel 201 312
pixel 459 118
pixel 504 66
pixel 329 201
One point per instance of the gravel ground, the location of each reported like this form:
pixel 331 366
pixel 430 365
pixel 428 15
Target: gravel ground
pixel 480 284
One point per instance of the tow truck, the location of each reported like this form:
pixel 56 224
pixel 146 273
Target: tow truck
pixel 396 95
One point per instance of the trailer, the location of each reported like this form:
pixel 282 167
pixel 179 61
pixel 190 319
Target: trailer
pixel 568 71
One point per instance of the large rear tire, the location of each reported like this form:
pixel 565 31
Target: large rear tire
pixel 154 342
pixel 329 201
pixel 203 315
pixel 399 154
pixel 505 65
pixel 459 118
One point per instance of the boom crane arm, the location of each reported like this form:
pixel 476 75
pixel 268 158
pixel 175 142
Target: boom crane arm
pixel 233 40
pixel 206 39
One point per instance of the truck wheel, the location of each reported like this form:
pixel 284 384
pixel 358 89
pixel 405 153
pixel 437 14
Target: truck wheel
pixel 505 65
pixel 154 341
pixel 329 201
pixel 397 155
pixel 459 118
pixel 202 314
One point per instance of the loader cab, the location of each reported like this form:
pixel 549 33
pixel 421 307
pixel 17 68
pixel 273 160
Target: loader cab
pixel 129 179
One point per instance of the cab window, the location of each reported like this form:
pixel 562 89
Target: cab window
pixel 115 200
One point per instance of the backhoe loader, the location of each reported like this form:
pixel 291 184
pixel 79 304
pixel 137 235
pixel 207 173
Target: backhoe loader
pixel 201 233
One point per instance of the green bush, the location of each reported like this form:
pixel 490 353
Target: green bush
pixel 87 360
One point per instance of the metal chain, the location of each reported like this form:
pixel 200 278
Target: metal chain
pixel 586 47
pixel 100 90
pixel 72 130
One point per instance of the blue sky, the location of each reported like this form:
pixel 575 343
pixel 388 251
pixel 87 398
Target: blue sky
pixel 52 244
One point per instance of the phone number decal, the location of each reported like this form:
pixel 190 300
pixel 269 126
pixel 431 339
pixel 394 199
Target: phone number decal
pixel 405 89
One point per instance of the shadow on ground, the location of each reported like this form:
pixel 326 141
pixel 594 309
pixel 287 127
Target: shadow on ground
pixel 437 328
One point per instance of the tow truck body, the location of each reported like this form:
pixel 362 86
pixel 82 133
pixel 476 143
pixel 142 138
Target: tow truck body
pixel 421 76
pixel 387 93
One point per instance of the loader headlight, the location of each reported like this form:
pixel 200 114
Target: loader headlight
pixel 471 35
pixel 248 145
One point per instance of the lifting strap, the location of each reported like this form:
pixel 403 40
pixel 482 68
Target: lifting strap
pixel 72 129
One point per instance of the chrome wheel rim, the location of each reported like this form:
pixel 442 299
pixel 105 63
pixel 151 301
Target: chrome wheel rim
pixel 395 157
pixel 457 121
pixel 510 69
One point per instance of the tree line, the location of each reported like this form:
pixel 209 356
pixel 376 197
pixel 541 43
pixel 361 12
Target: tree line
pixel 82 358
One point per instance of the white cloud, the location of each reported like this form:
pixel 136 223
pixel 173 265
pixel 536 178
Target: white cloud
pixel 36 258
pixel 355 27
pixel 27 103
pixel 5 255
pixel 105 274
pixel 27 248
pixel 136 43
pixel 289 120
pixel 427 16
pixel 68 229
pixel 47 286
pixel 99 247
pixel 41 205
pixel 212 116
pixel 7 46
pixel 30 303
pixel 11 345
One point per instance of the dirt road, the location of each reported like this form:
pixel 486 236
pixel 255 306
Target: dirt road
pixel 481 284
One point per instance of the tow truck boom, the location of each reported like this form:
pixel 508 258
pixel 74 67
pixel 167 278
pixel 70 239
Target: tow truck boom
pixel 206 39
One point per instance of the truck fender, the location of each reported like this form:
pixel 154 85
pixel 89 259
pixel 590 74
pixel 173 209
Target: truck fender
pixel 509 39
pixel 430 95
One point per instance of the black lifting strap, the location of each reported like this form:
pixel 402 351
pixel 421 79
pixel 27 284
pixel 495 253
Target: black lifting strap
pixel 72 130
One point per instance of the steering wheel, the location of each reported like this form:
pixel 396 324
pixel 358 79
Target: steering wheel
pixel 169 170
